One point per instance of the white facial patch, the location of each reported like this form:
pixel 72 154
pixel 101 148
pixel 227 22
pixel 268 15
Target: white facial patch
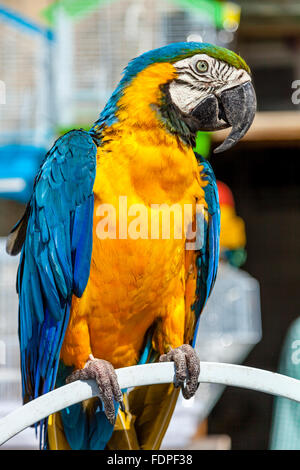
pixel 192 86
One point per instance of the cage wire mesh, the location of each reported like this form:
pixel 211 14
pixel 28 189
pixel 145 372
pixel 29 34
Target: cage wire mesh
pixel 67 81
pixel 97 47
pixel 26 117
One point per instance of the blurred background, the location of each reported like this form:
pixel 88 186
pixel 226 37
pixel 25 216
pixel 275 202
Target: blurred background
pixel 59 63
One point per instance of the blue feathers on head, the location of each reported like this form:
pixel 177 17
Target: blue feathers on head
pixel 170 53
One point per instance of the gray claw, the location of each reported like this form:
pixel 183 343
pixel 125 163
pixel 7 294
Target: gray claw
pixel 187 368
pixel 106 379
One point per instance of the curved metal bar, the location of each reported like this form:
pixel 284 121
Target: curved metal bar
pixel 211 372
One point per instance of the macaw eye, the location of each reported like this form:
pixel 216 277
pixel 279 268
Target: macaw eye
pixel 202 66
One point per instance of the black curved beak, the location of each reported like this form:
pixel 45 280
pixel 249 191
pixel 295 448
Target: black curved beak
pixel 235 108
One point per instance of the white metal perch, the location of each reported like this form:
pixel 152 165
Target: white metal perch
pixel 211 372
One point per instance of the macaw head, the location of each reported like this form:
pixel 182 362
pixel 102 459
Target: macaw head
pixel 212 91
pixel 201 87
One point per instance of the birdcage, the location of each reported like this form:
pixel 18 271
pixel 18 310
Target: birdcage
pixel 26 110
pixel 27 102
pixel 92 48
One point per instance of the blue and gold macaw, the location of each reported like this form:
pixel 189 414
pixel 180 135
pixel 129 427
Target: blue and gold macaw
pixel 90 303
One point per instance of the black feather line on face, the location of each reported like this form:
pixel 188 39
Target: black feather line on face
pixel 190 73
pixel 177 123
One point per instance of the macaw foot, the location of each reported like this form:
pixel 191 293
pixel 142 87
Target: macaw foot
pixel 187 368
pixel 106 379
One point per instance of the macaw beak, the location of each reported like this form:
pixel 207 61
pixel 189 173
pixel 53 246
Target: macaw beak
pixel 234 107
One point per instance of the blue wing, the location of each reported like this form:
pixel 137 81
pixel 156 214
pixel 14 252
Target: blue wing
pixel 56 234
pixel 208 255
